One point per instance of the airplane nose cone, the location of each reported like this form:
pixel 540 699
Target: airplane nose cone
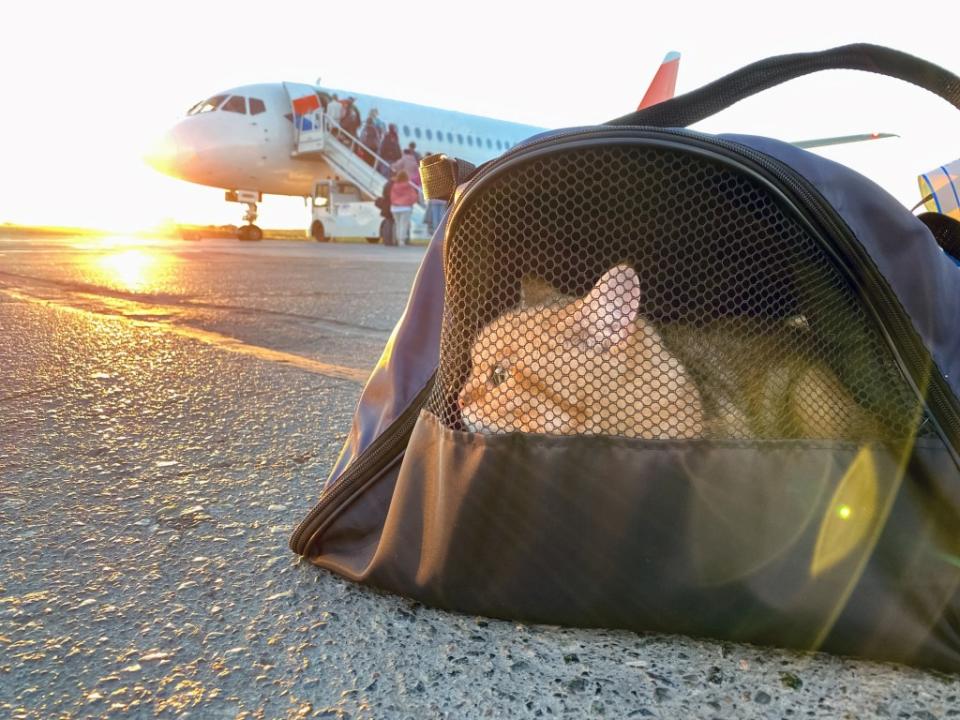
pixel 169 154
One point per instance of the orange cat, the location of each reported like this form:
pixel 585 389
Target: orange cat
pixel 589 365
pixel 593 365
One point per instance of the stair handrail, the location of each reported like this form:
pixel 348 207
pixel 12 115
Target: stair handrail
pixel 328 122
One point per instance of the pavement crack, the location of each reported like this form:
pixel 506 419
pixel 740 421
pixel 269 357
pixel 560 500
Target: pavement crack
pixel 29 393
pixel 219 340
pixel 89 292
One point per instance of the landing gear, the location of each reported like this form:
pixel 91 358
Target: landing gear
pixel 250 231
pixel 317 232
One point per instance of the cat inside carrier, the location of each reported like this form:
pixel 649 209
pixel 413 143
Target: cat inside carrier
pixel 678 382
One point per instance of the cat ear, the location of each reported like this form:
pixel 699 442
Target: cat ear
pixel 536 291
pixel 607 312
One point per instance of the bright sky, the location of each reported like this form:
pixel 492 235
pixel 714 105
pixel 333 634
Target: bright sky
pixel 88 86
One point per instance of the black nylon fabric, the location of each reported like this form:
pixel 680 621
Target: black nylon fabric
pixel 735 541
pixel 845 547
pixel 945 230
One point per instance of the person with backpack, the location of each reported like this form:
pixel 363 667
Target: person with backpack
pixel 389 149
pixel 403 196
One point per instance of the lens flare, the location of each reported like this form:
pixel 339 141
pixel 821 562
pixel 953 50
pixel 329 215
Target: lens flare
pixel 130 265
pixel 843 532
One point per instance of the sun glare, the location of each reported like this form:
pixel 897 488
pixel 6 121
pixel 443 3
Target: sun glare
pixel 130 264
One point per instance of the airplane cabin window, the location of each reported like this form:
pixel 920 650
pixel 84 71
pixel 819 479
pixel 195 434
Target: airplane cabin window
pixel 406 129
pixel 429 133
pixel 236 104
pixel 459 139
pixel 489 144
pixel 257 106
pixel 449 137
pixel 206 105
pixel 416 133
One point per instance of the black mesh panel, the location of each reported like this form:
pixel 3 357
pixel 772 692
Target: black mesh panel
pixel 654 294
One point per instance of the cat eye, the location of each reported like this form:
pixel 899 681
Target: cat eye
pixel 498 375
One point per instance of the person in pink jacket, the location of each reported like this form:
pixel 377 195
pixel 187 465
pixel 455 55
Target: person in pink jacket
pixel 403 196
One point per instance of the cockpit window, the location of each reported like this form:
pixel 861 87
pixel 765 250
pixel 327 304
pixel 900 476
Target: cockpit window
pixel 206 105
pixel 236 104
pixel 257 106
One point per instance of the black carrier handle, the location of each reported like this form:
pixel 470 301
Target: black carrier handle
pixel 710 99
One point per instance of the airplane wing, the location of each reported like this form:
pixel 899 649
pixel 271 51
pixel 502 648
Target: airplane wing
pixel 664 83
pixel 841 140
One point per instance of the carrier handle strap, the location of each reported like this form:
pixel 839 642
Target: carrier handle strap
pixel 699 104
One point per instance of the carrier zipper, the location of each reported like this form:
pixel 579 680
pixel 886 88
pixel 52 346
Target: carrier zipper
pixel 376 458
pixel 909 353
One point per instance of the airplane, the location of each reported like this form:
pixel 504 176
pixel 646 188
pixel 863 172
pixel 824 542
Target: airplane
pixel 256 139
pixel 275 139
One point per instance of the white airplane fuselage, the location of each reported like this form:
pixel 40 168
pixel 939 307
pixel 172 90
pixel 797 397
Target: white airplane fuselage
pixel 240 150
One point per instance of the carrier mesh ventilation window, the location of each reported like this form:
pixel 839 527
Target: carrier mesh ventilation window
pixel 646 293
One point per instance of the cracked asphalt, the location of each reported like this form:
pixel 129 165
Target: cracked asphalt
pixel 168 412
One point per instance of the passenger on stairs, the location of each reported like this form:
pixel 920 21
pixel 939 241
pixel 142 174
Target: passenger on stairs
pixel 409 164
pixel 378 121
pixel 350 120
pixel 389 150
pixel 369 139
pixel 334 111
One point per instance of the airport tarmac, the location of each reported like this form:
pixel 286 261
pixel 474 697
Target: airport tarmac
pixel 169 410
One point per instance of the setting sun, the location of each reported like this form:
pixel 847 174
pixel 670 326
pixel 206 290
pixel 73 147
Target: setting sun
pixel 128 266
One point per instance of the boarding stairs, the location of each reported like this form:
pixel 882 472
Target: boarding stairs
pixel 319 137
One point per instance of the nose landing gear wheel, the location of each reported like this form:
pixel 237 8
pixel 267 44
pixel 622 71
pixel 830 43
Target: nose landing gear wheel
pixel 249 232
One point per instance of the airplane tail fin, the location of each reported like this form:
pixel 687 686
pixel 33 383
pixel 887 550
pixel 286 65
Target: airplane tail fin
pixel 664 83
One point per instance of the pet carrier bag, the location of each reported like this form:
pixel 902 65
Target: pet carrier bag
pixel 677 382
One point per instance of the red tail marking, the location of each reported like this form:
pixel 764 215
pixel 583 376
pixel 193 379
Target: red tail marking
pixel 664 83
